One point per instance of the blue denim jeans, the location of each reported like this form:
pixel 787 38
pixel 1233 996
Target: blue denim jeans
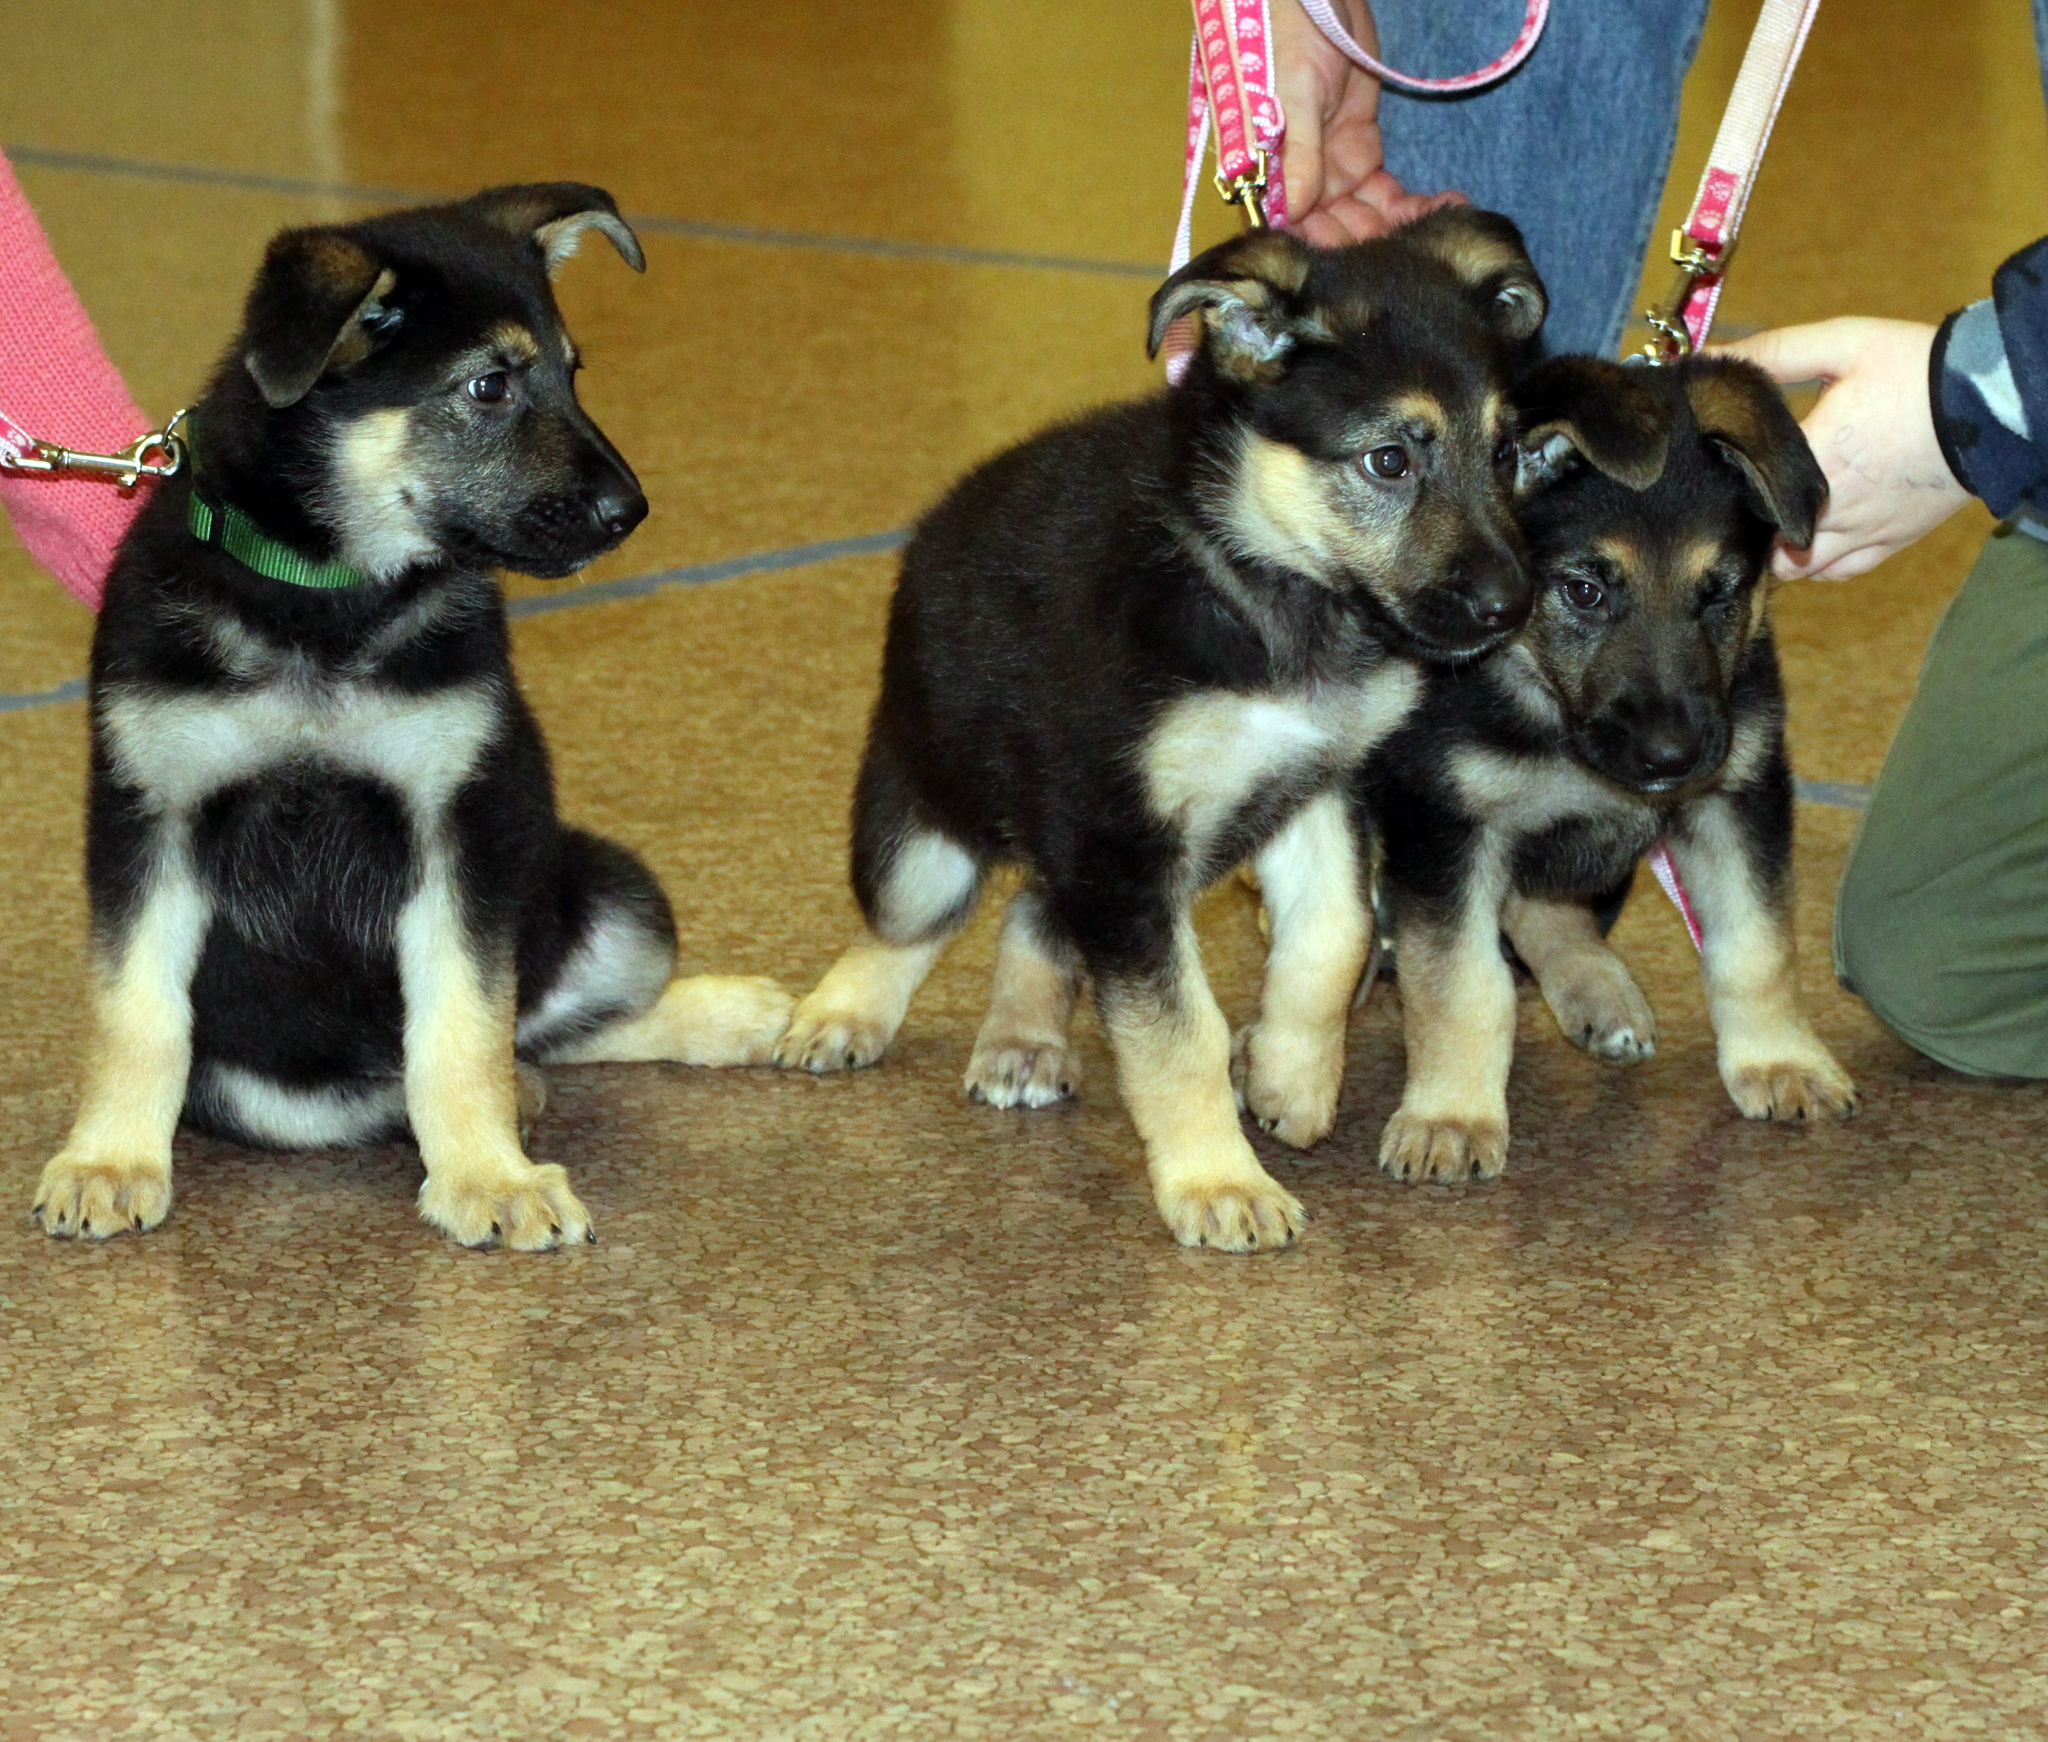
pixel 2041 42
pixel 1574 145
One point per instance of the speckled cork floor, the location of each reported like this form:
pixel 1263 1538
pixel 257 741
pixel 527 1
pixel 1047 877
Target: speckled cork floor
pixel 875 1414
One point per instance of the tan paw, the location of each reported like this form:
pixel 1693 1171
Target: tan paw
pixel 1014 1071
pixel 1236 1213
pixel 95 1196
pixel 1288 1081
pixel 824 1037
pixel 530 1211
pixel 1600 1007
pixel 1793 1091
pixel 1443 1150
pixel 728 1019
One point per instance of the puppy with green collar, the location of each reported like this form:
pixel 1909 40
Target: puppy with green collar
pixel 331 898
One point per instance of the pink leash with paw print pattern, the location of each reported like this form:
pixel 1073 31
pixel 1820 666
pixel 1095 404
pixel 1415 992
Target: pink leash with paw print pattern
pixel 1701 246
pixel 1231 83
pixel 1231 76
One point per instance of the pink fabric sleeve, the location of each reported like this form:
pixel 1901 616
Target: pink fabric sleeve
pixel 56 382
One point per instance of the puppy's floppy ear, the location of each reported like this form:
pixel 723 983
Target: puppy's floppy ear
pixel 555 214
pixel 317 304
pixel 1605 413
pixel 1486 252
pixel 1244 290
pixel 1744 415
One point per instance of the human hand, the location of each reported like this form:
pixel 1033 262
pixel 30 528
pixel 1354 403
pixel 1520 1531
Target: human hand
pixel 1872 430
pixel 1338 188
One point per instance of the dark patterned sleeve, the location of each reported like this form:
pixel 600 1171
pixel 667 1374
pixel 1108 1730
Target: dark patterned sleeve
pixel 1989 382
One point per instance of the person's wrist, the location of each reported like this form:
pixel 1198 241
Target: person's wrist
pixel 1937 367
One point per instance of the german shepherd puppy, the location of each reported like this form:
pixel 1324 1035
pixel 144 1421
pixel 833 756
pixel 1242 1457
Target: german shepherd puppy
pixel 1135 649
pixel 330 895
pixel 1640 700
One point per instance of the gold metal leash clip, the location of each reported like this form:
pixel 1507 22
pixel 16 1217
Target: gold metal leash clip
pixel 1670 342
pixel 159 454
pixel 1248 191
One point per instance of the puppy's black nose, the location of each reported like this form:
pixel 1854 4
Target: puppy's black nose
pixel 1667 748
pixel 1498 597
pixel 618 509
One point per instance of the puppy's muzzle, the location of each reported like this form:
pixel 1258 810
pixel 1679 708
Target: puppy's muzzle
pixel 1483 598
pixel 1655 744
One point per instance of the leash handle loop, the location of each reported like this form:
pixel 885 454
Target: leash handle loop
pixel 1534 17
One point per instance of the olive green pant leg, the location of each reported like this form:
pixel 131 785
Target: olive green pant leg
pixel 1941 923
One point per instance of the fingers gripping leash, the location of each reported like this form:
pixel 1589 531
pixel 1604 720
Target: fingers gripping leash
pixel 1232 85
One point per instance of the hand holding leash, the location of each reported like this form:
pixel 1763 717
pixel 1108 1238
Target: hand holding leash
pixel 1336 175
pixel 1872 429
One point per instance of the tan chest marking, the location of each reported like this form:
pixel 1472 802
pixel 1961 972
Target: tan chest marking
pixel 180 750
pixel 1525 794
pixel 1209 754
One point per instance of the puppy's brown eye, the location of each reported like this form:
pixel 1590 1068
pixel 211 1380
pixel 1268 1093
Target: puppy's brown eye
pixel 492 389
pixel 1389 462
pixel 1505 454
pixel 1585 595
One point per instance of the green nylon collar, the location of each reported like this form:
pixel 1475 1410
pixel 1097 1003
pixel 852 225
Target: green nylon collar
pixel 226 527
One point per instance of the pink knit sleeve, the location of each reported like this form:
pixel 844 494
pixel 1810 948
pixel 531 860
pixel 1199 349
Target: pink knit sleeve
pixel 56 382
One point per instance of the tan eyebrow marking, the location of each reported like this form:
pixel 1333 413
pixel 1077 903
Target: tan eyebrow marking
pixel 1421 408
pixel 514 341
pixel 1700 556
pixel 1624 553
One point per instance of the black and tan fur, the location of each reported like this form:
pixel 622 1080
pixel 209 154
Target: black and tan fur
pixel 330 896
pixel 1139 648
pixel 1640 700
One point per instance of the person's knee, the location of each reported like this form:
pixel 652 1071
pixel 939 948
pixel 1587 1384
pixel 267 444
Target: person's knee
pixel 1907 959
pixel 1880 955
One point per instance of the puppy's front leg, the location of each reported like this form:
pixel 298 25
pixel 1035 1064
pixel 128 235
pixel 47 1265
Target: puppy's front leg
pixel 1588 987
pixel 461 1091
pixel 1172 1049
pixel 1774 1065
pixel 1458 1019
pixel 114 1171
pixel 1290 1062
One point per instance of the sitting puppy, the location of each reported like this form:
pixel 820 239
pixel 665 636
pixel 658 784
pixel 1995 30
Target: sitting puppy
pixel 330 896
pixel 1640 700
pixel 1138 648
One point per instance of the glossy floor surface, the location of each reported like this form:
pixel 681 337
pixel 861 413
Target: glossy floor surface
pixel 877 1414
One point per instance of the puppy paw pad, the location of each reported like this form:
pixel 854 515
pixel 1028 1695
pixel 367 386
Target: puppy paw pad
pixel 1618 1046
pixel 1793 1092
pixel 1287 1082
pixel 93 1197
pixel 822 1039
pixel 1443 1151
pixel 1235 1215
pixel 533 1211
pixel 1016 1072
pixel 1603 1010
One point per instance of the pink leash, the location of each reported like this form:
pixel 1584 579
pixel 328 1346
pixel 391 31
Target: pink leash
pixel 1700 248
pixel 1231 82
pixel 1231 77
